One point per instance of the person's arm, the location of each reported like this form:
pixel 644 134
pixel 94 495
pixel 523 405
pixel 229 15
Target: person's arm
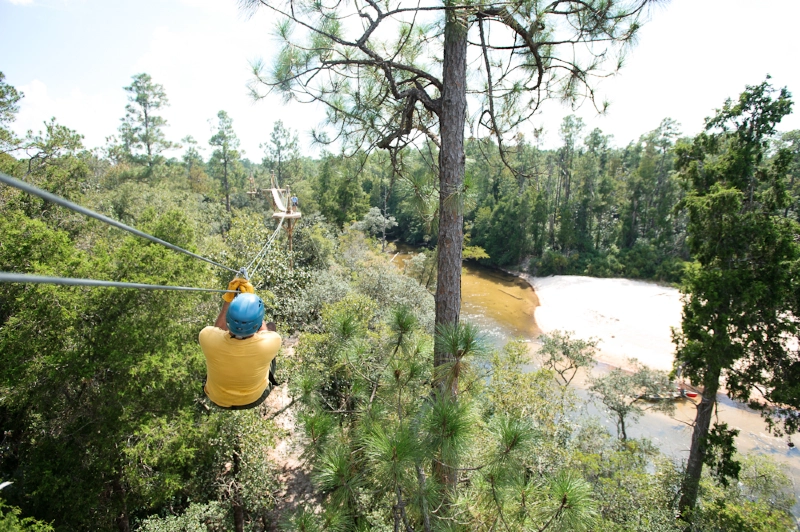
pixel 268 327
pixel 220 322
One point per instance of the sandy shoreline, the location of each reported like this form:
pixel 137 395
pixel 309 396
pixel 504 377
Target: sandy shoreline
pixel 632 319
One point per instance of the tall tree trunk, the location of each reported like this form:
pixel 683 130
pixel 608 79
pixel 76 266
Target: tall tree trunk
pixel 451 178
pixel 451 174
pixel 225 180
pixel 123 523
pixel 426 518
pixel 238 507
pixel 556 207
pixel 383 237
pixel 122 520
pixel 702 422
pixel 147 138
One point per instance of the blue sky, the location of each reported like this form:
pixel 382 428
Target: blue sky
pixel 71 58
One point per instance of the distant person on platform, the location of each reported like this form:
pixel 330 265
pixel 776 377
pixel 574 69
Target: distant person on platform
pixel 240 351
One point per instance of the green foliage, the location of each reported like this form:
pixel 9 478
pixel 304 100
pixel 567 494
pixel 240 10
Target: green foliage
pixel 209 517
pixel 760 501
pixel 282 154
pixel 422 268
pixel 565 356
pixel 474 253
pixel 375 277
pixel 740 294
pixel 199 181
pixel 576 509
pixel 503 230
pixel 280 284
pixel 789 146
pixel 375 223
pixel 584 209
pixel 10 521
pixel 448 427
pixel 99 377
pixel 633 484
pixel 623 393
pixel 9 100
pixel 461 344
pixel 224 163
pixel 141 131
pixel 720 450
pixel 552 263
pixel 339 191
pixel 314 242
pixel 243 474
pixel 101 387
pixel 619 219
pixel 376 464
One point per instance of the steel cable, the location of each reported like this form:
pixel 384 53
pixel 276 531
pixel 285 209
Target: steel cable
pixel 70 281
pixel 30 189
pixel 262 253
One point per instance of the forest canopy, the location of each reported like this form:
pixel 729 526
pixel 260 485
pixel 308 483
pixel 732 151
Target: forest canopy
pixel 104 422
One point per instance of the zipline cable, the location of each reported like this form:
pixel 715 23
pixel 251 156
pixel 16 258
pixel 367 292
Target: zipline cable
pixel 262 253
pixel 69 281
pixel 30 189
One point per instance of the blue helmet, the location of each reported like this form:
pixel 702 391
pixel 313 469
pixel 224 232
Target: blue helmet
pixel 245 315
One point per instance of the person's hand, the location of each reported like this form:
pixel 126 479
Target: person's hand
pixel 241 285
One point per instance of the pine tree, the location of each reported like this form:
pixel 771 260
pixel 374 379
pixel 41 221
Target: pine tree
pixel 141 131
pixel 739 296
pixel 225 157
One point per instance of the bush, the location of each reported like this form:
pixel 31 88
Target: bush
pixel 604 265
pixel 640 261
pixel 209 517
pixel 551 263
pixel 643 261
pixel 10 521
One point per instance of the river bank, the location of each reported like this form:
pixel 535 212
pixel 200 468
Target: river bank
pixel 631 319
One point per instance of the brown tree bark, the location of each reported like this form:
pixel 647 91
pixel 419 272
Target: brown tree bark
pixel 702 422
pixel 452 162
pixel 451 174
pixel 122 520
pixel 123 523
pixel 225 182
pixel 236 496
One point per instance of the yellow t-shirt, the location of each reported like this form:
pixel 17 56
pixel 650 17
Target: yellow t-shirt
pixel 237 370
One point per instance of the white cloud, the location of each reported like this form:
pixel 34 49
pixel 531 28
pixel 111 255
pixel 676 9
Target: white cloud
pixel 21 2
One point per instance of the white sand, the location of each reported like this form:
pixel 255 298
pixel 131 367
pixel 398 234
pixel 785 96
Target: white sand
pixel 632 319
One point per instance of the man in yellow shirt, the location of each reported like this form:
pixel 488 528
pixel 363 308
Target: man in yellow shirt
pixel 240 351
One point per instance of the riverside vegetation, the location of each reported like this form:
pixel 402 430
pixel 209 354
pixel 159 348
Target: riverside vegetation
pixel 103 422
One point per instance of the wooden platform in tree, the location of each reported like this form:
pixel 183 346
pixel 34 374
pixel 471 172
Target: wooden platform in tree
pixel 290 215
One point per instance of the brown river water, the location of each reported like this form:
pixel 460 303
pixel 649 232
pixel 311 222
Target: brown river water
pixel 503 307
